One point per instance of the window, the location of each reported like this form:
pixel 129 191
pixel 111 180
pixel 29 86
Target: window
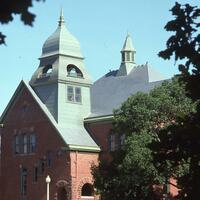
pixel 70 93
pixel 17 144
pixel 132 56
pixel 74 71
pixel 46 71
pixel 87 190
pixel 78 94
pixel 112 142
pixel 23 185
pixel 122 140
pixel 123 57
pixel 74 94
pixel 128 56
pixel 25 144
pixel 42 166
pixel 35 174
pixel 49 159
pixel 32 145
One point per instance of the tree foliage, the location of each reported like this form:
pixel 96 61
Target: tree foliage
pixel 132 173
pixel 184 44
pixel 10 7
pixel 179 143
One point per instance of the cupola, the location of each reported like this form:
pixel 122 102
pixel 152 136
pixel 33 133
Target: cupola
pixel 127 57
pixel 61 42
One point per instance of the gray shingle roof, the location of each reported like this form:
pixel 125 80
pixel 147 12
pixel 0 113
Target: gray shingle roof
pixel 110 91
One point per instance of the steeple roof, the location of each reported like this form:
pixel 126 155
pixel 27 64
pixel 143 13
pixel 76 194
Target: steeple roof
pixel 61 42
pixel 128 57
pixel 128 44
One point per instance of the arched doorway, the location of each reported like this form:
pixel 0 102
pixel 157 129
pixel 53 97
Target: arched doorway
pixel 62 194
pixel 62 191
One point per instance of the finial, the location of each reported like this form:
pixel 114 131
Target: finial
pixel 128 34
pixel 61 19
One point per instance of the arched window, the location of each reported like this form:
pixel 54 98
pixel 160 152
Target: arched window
pixel 62 194
pixel 47 69
pixel 74 71
pixel 87 190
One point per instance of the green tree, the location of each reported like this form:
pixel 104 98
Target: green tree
pixel 10 7
pixel 132 173
pixel 179 143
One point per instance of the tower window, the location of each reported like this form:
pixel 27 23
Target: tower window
pixel 128 57
pixel 74 71
pixel 74 94
pixel 132 56
pixel 78 94
pixel 123 57
pixel 46 71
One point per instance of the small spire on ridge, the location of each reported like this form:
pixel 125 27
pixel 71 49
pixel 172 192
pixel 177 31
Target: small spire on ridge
pixel 61 19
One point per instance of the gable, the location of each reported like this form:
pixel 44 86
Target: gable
pixel 73 139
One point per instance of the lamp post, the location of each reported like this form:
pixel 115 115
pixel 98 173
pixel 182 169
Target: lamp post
pixel 48 180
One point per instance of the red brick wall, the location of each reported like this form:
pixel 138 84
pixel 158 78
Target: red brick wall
pixel 100 132
pixel 64 164
pixel 81 163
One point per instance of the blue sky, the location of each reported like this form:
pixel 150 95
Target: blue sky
pixel 99 25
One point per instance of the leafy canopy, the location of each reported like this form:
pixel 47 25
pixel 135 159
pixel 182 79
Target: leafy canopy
pixel 179 143
pixel 132 173
pixel 10 7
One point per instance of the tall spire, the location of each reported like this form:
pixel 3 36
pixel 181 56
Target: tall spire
pixel 61 19
pixel 128 57
pixel 128 49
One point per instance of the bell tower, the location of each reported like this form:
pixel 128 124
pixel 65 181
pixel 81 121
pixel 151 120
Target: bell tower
pixel 61 80
pixel 127 57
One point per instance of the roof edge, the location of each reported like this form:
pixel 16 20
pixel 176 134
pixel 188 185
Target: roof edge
pixel 19 87
pixel 99 118
pixel 72 147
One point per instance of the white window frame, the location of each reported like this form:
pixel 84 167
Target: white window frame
pixel 73 96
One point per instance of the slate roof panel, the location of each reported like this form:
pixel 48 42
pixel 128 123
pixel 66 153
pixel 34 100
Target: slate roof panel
pixel 110 91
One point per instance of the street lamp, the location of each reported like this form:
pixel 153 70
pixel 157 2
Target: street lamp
pixel 48 180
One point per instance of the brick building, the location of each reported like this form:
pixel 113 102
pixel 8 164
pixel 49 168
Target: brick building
pixel 59 122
